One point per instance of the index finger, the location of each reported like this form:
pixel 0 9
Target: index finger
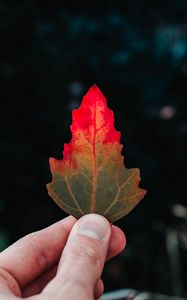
pixel 37 252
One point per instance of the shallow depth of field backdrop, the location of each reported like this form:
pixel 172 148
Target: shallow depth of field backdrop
pixel 51 52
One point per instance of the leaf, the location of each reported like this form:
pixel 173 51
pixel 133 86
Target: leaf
pixel 92 177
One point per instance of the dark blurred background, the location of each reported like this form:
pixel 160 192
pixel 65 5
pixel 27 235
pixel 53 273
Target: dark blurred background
pixel 51 52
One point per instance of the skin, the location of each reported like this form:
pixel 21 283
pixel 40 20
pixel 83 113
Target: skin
pixel 60 261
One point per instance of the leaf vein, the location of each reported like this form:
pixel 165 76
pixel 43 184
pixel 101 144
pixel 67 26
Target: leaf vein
pixel 119 189
pixel 59 200
pixel 72 195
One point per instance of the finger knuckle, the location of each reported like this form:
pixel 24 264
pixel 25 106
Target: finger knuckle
pixel 39 254
pixel 85 254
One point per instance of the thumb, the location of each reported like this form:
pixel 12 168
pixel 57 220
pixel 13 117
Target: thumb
pixel 83 257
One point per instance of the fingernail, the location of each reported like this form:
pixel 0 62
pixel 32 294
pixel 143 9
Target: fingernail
pixel 93 226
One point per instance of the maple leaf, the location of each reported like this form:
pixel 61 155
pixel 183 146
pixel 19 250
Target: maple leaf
pixel 91 177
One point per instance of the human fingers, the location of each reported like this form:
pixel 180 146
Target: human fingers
pixel 117 242
pixel 32 255
pixel 82 260
pixel 116 245
pixel 99 289
pixel 8 286
pixel 37 285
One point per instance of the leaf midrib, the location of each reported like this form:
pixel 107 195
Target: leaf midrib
pixel 94 162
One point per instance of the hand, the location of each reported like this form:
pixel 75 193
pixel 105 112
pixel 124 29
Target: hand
pixel 63 261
